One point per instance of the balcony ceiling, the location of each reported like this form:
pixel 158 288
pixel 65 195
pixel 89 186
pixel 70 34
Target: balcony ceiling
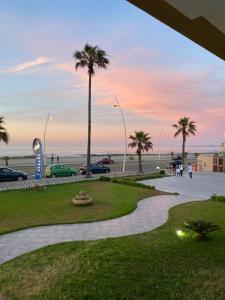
pixel 202 21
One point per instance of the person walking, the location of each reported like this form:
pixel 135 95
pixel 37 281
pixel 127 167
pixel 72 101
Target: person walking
pixel 178 171
pixel 190 170
pixel 181 169
pixel 174 168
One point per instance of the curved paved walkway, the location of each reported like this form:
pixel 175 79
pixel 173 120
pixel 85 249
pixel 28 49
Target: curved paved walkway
pixel 150 213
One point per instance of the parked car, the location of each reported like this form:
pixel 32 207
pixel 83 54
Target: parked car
pixel 7 174
pixel 106 161
pixel 58 170
pixel 95 169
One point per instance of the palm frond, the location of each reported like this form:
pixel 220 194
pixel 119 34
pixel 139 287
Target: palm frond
pixel 80 64
pixel 202 227
pixel 4 136
pixel 178 132
pixel 175 126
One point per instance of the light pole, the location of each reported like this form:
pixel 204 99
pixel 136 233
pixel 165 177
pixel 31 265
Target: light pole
pixel 125 132
pixel 160 133
pixel 49 118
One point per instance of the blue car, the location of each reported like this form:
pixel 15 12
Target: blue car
pixel 7 174
pixel 95 169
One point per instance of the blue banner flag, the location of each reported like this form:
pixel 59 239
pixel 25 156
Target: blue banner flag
pixel 38 174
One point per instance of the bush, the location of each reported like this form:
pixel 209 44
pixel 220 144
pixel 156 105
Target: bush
pixel 201 227
pixel 132 180
pixel 219 198
pixel 104 178
pixel 129 182
pixel 144 177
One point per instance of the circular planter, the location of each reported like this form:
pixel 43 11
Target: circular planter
pixel 82 199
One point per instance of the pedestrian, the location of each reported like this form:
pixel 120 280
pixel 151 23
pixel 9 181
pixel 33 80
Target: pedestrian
pixel 57 159
pixel 190 169
pixel 52 158
pixel 174 168
pixel 178 171
pixel 181 170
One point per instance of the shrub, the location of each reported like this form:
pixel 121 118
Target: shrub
pixel 219 198
pixel 104 178
pixel 201 227
pixel 129 182
pixel 144 177
pixel 162 172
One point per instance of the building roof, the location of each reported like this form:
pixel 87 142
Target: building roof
pixel 202 21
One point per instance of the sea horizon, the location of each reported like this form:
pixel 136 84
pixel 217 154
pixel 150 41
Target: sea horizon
pixel 22 151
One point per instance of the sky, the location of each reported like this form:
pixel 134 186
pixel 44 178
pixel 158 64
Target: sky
pixel 157 74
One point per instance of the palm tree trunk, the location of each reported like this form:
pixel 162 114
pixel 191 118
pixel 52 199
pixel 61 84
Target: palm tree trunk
pixel 88 174
pixel 183 149
pixel 140 162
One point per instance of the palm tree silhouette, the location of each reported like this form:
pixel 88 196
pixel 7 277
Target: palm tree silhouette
pixel 142 142
pixel 185 127
pixel 4 136
pixel 90 57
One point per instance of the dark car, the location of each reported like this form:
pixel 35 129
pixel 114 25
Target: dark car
pixel 176 161
pixel 106 161
pixel 95 169
pixel 7 174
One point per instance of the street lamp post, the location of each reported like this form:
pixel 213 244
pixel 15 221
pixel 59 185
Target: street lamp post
pixel 49 118
pixel 125 133
pixel 160 133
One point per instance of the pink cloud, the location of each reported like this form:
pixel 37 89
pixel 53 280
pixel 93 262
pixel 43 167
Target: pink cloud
pixel 160 94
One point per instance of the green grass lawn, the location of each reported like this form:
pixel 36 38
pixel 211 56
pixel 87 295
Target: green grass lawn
pixel 53 205
pixel 156 266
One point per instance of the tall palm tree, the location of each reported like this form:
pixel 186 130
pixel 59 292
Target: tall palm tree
pixel 91 57
pixel 4 136
pixel 142 142
pixel 185 127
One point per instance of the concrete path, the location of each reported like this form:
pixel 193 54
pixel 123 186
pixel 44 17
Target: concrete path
pixel 150 213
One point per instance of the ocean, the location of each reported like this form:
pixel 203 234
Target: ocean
pixel 25 150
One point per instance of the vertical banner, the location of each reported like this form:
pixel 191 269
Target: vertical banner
pixel 37 148
pixel 39 156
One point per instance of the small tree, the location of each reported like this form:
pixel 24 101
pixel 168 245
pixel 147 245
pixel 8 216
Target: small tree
pixel 201 227
pixel 185 127
pixel 142 142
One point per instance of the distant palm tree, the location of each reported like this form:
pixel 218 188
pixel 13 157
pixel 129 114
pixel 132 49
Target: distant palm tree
pixel 90 57
pixel 185 128
pixel 4 136
pixel 142 142
pixel 171 154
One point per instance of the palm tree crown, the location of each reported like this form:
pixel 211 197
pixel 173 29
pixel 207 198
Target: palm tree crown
pixel 91 57
pixel 4 136
pixel 141 141
pixel 185 127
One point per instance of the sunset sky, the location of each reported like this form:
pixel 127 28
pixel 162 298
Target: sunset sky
pixel 157 74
